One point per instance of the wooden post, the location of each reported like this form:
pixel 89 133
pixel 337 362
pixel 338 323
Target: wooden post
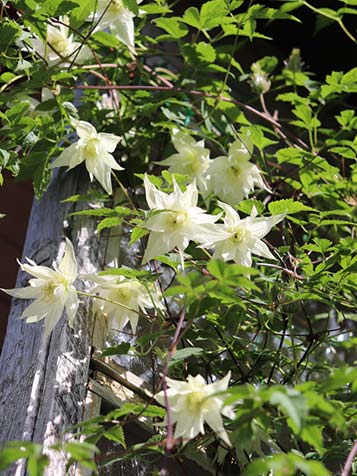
pixel 43 389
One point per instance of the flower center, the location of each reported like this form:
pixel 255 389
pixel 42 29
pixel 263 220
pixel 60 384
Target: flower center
pixel 91 150
pixel 48 291
pixel 59 44
pixel 194 401
pixel 176 219
pixel 116 6
pixel 194 166
pixel 123 294
pixel 238 234
pixel 236 171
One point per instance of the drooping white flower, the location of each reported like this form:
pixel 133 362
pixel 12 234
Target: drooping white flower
pixel 178 220
pixel 192 158
pixel 52 290
pixel 94 149
pixel 231 178
pixel 60 46
pixel 125 299
pixel 242 238
pixel 194 402
pixel 114 15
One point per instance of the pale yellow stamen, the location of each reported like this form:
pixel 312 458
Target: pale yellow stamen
pixel 176 219
pixel 90 150
pixel 238 234
pixel 194 401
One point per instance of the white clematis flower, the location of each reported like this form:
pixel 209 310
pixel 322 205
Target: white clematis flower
pixel 194 402
pixel 95 150
pixel 232 178
pixel 128 296
pixel 52 290
pixel 114 15
pixel 242 238
pixel 60 45
pixel 192 158
pixel 179 219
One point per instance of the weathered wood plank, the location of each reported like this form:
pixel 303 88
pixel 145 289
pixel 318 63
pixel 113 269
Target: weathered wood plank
pixel 40 409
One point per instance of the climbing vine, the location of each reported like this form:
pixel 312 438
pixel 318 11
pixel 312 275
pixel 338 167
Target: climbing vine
pixel 237 186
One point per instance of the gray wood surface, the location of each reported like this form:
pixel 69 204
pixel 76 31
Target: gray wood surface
pixel 42 390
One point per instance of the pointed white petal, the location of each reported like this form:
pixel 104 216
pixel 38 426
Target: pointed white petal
pixel 108 141
pixel 71 157
pixel 231 216
pixel 261 226
pixel 71 305
pixel 101 172
pixel 190 196
pixel 123 29
pixel 42 272
pixel 261 249
pixel 221 385
pixel 156 246
pixel 68 264
pixel 154 197
pixel 182 141
pixel 54 314
pixel 85 130
pixel 28 292
pixel 36 311
pixel 109 160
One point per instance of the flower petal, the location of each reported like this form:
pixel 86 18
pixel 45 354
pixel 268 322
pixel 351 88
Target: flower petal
pixel 29 292
pixel 109 141
pixel 68 264
pixel 71 305
pixel 71 157
pixel 85 130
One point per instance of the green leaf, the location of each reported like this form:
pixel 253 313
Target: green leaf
pixel 312 434
pixel 246 206
pixel 339 378
pixel 105 39
pixel 185 353
pixel 172 26
pixel 9 31
pixel 288 206
pixel 80 13
pixel 96 212
pixel 56 8
pixel 37 166
pixel 132 5
pixel 109 222
pixel 82 452
pixel 127 272
pixel 213 14
pixel 15 450
pixel 205 52
pixel 92 196
pixel 116 433
pixel 137 233
pixel 293 405
pixel 192 17
pixel 121 349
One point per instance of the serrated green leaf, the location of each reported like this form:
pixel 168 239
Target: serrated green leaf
pixel 246 206
pixel 137 233
pixel 288 206
pixel 109 222
pixel 121 349
pixel 116 433
pixel 185 353
pixel 172 26
pixel 96 212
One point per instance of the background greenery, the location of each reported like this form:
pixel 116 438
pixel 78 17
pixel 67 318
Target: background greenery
pixel 285 330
